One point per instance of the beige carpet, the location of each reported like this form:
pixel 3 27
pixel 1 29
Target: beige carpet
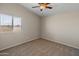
pixel 40 47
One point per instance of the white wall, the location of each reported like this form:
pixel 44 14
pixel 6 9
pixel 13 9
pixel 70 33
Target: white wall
pixel 30 26
pixel 62 28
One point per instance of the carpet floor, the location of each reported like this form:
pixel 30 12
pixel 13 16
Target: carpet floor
pixel 40 47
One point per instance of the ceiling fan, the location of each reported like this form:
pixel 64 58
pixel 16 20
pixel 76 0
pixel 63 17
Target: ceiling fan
pixel 43 6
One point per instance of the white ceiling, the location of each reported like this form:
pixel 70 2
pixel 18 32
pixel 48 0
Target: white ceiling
pixel 57 8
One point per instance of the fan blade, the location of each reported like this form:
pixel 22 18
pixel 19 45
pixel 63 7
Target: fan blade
pixel 47 3
pixel 35 6
pixel 40 3
pixel 49 7
pixel 44 3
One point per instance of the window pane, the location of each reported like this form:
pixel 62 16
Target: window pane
pixel 5 23
pixel 5 20
pixel 16 23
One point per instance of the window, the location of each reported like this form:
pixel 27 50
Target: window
pixel 9 23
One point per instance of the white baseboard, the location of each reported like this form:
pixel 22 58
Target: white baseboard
pixel 18 43
pixel 64 43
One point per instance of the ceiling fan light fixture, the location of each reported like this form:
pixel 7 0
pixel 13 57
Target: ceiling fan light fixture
pixel 42 7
